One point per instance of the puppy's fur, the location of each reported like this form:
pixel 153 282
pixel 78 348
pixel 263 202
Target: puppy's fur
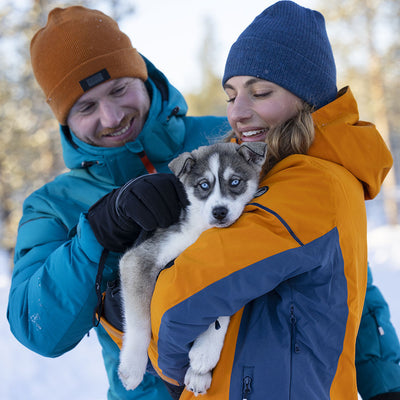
pixel 219 180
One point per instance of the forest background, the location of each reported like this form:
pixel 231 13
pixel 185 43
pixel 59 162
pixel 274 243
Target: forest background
pixel 364 36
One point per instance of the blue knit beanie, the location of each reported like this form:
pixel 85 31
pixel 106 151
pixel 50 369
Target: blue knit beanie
pixel 288 45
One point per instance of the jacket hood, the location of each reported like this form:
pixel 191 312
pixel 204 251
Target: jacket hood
pixel 161 139
pixel 342 138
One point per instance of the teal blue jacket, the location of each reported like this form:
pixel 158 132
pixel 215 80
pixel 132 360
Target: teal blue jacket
pixel 52 295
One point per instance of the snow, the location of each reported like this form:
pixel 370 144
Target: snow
pixel 80 374
pixel 24 375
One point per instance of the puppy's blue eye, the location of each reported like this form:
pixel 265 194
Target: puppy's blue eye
pixel 235 182
pixel 205 185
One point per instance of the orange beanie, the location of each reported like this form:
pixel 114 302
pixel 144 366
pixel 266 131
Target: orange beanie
pixel 78 49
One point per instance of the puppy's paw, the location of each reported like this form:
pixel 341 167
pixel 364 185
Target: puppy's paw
pixel 130 376
pixel 196 382
pixel 131 370
pixel 203 356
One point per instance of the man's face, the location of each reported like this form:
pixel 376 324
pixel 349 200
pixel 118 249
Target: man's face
pixel 111 114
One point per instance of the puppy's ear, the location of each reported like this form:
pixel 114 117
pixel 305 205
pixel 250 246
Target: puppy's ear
pixel 182 164
pixel 253 152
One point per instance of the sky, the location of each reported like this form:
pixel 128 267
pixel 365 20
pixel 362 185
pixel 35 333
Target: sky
pixel 170 33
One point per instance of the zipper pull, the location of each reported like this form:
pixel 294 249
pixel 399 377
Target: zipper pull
pixel 87 164
pixel 246 387
pixel 292 317
pixel 174 112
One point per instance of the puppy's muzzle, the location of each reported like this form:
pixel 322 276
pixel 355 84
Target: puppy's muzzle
pixel 220 213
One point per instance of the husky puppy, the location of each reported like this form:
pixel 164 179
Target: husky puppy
pixel 219 180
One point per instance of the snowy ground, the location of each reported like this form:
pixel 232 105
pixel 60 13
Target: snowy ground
pixel 80 374
pixel 24 375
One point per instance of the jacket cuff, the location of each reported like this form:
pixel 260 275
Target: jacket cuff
pixel 87 240
pixel 91 247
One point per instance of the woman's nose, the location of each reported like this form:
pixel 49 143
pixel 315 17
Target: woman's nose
pixel 239 110
pixel 110 114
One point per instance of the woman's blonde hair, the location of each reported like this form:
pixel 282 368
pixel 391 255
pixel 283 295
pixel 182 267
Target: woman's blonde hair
pixel 294 136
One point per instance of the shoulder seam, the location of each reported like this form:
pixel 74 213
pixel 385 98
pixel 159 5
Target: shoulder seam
pixel 283 222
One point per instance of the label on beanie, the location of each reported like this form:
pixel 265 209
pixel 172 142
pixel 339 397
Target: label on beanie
pixel 94 80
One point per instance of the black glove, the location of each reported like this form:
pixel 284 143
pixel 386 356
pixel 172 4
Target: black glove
pixel 142 204
pixel 387 396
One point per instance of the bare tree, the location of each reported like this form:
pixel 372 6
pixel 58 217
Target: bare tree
pixel 364 35
pixel 30 150
pixel 210 100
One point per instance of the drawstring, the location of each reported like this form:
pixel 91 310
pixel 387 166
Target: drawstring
pixel 99 306
pixel 143 157
pixel 147 163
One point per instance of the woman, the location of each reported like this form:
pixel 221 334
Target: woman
pixel 292 271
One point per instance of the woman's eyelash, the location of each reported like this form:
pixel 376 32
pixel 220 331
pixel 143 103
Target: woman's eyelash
pixel 265 94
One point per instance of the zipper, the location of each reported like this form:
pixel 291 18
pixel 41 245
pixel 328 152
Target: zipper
pixel 294 347
pixel 247 382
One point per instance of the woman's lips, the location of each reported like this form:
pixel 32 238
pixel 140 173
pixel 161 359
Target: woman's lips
pixel 255 135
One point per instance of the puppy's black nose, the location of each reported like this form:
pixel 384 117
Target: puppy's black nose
pixel 220 212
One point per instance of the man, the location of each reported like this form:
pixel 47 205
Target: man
pixel 120 119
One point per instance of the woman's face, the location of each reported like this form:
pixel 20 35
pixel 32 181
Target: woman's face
pixel 256 105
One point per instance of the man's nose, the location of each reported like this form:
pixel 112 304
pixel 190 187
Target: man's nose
pixel 110 114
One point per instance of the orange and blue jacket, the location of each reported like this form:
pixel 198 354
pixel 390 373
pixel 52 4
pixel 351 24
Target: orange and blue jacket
pixel 292 273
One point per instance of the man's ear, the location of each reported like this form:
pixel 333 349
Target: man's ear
pixel 182 164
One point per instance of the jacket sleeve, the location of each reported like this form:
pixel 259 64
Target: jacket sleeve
pixel 52 295
pixel 377 347
pixel 215 277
